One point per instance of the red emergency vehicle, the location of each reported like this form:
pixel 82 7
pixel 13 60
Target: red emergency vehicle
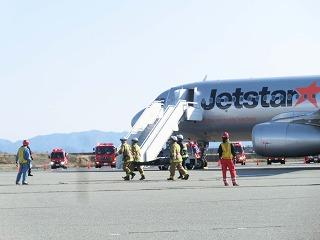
pixel 196 160
pixel 59 158
pixel 105 155
pixel 240 155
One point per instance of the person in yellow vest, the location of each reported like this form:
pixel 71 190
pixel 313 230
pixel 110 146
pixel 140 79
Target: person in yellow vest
pixel 176 160
pixel 127 159
pixel 23 160
pixel 135 150
pixel 226 153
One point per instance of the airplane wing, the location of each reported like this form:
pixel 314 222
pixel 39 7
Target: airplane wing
pixel 308 118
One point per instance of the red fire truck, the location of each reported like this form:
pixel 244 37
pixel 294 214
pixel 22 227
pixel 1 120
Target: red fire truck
pixel 59 158
pixel 240 155
pixel 105 155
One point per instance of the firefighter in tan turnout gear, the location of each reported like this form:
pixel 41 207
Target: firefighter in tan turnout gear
pixel 127 159
pixel 135 150
pixel 176 160
pixel 183 152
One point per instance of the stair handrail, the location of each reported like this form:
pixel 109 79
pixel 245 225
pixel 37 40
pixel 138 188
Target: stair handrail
pixel 184 102
pixel 140 119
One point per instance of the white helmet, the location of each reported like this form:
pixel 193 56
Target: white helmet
pixel 174 138
pixel 135 139
pixel 123 139
pixel 180 137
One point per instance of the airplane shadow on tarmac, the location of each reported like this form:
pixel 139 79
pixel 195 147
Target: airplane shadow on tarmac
pixel 264 172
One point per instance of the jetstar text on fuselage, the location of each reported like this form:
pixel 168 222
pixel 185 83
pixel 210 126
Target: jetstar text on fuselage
pixel 250 99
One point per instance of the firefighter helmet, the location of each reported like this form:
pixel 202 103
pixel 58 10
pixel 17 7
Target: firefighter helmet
pixel 123 139
pixel 180 137
pixel 174 138
pixel 135 139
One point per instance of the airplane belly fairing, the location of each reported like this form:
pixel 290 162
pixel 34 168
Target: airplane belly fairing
pixel 238 122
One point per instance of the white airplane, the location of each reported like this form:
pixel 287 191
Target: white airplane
pixel 280 115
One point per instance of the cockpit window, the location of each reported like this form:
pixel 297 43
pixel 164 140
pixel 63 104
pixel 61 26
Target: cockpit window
pixel 105 150
pixel 57 155
pixel 161 99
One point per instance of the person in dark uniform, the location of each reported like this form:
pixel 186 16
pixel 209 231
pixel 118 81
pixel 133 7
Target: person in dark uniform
pixel 30 164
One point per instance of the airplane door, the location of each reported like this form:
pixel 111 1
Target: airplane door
pixel 176 95
pixel 190 96
pixel 179 94
pixel 194 112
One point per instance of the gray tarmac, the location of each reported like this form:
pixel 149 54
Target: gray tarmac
pixel 278 202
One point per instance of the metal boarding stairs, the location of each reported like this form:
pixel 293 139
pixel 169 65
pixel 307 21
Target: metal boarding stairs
pixel 156 125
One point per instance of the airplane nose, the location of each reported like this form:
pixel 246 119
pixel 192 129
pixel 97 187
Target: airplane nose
pixel 136 117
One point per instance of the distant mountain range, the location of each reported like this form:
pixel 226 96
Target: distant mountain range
pixel 71 142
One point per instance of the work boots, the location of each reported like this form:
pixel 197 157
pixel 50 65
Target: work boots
pixel 142 177
pixel 29 172
pixel 180 177
pixel 235 184
pixel 170 179
pixel 186 177
pixel 132 175
pixel 126 178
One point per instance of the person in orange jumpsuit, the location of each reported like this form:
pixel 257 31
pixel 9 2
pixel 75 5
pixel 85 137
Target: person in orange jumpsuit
pixel 226 153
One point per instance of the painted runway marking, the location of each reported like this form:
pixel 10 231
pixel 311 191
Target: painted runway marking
pixel 114 234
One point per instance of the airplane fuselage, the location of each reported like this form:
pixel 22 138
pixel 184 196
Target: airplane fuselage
pixel 237 106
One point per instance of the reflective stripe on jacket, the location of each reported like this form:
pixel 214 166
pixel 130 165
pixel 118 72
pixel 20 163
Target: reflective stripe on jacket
pixel 226 150
pixel 135 149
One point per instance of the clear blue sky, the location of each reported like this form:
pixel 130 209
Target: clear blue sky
pixel 68 66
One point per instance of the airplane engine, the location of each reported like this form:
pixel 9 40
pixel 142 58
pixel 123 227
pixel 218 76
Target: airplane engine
pixel 283 139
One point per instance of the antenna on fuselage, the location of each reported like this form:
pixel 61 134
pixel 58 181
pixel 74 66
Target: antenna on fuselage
pixel 205 78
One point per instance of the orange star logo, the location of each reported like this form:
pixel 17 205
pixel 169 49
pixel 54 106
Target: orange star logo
pixel 308 93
